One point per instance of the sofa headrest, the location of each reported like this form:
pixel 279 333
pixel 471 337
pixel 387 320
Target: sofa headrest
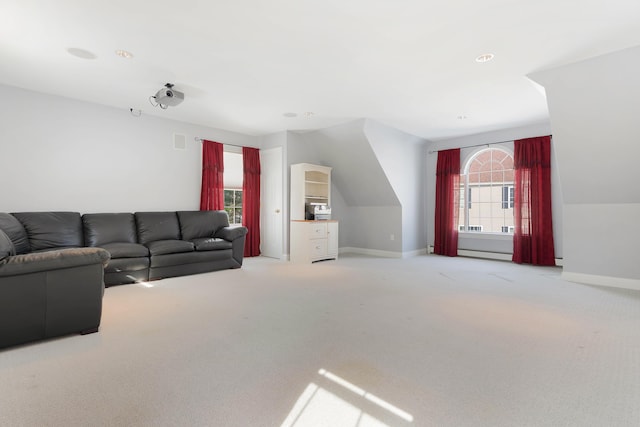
pixel 197 224
pixel 16 232
pixel 6 247
pixel 48 230
pixel 154 226
pixel 103 228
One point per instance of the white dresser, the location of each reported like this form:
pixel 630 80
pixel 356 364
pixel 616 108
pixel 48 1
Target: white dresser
pixel 313 241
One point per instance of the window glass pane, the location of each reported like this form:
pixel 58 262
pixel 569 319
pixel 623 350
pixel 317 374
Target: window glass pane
pixel 238 216
pixel 228 197
pixel 238 199
pixel 505 197
pixel 229 213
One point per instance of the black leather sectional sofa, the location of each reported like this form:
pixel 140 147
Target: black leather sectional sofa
pixel 54 265
pixel 153 245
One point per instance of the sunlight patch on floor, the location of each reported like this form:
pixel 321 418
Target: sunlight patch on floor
pixel 318 406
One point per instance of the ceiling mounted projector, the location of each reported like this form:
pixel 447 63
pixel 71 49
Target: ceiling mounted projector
pixel 167 97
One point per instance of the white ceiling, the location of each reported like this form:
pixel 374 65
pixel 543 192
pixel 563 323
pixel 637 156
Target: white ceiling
pixel 241 64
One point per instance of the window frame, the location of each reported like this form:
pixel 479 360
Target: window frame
pixel 465 196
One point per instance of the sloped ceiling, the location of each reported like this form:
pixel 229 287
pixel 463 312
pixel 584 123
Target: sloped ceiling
pixel 357 173
pixel 596 131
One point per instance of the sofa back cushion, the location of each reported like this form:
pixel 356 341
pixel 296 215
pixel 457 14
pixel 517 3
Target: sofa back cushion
pixel 153 226
pixel 198 224
pixel 103 228
pixel 16 232
pixel 49 230
pixel 6 246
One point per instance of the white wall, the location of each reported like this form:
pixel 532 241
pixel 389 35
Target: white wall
pixel 62 154
pixel 593 106
pixel 499 244
pixel 602 240
pixel 368 229
pixel 401 157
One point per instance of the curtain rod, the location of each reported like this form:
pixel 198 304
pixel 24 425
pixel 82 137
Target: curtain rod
pixel 197 138
pixel 478 145
pixel 471 146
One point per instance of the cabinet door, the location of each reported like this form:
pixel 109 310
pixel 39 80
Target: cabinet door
pixel 332 239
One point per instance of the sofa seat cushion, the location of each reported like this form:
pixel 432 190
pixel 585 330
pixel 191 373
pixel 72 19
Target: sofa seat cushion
pixel 163 247
pixel 211 244
pixel 120 265
pixel 126 250
pixel 187 258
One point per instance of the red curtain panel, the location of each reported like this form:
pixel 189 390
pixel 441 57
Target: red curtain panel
pixel 212 190
pixel 533 235
pixel 251 200
pixel 447 202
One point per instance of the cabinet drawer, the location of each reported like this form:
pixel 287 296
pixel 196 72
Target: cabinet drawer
pixel 318 231
pixel 318 249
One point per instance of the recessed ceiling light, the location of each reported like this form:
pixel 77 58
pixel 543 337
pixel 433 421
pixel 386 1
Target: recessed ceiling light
pixel 485 57
pixel 462 117
pixel 81 53
pixel 309 114
pixel 124 54
pixel 290 115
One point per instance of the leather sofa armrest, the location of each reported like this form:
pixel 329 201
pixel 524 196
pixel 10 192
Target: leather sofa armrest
pixel 35 262
pixel 231 233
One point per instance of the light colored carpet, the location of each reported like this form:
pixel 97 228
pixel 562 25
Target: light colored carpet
pixel 426 341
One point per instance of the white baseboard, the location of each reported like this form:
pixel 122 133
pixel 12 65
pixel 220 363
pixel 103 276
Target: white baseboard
pixel 485 255
pixel 608 281
pixel 382 254
pixel 371 252
pixel 489 255
pixel 411 254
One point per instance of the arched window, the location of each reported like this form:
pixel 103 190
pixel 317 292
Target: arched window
pixel 486 192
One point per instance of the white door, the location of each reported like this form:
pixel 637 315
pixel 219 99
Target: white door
pixel 271 214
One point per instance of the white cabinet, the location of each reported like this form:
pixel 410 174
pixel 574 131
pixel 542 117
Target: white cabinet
pixel 313 241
